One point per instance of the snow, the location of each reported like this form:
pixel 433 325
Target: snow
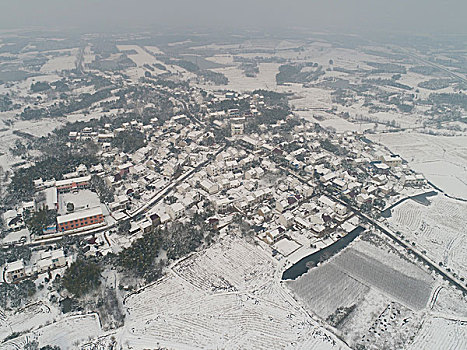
pixel 440 333
pixel 440 229
pixel 286 246
pixel 442 159
pixel 60 63
pixel 38 323
pixel 236 306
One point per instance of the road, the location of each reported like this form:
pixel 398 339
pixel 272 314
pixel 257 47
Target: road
pixel 385 230
pixel 145 208
pixel 444 69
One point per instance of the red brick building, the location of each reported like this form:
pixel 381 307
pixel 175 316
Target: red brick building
pixel 80 219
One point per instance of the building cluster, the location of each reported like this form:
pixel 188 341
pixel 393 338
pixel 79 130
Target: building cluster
pixel 46 262
pixel 293 184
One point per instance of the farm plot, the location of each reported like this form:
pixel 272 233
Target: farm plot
pixel 230 265
pixel 31 316
pixel 439 333
pixel 67 61
pixel 175 314
pixel 66 333
pixel 326 288
pixel 411 291
pixel 449 300
pixel 440 229
pixel 442 159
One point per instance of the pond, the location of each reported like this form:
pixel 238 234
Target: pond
pixel 302 266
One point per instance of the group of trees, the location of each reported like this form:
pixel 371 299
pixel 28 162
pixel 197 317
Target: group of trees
pixel 12 295
pixel 140 257
pixel 40 86
pixel 40 219
pixel 105 193
pixel 296 73
pixel 129 140
pixel 81 277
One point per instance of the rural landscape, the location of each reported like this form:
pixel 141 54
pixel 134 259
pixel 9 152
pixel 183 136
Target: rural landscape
pixel 293 189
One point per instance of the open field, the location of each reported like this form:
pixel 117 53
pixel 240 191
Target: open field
pixel 231 266
pixel 439 333
pixel 327 288
pixel 412 292
pixel 440 229
pixel 31 316
pixel 194 308
pixel 60 63
pixel 442 159
pixel 66 333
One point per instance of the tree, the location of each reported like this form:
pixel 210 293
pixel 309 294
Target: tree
pixel 81 277
pixel 40 220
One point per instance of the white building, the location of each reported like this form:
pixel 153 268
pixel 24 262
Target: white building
pixel 176 211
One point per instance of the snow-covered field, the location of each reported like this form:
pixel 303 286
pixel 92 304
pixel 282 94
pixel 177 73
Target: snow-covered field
pixel 59 63
pixel 410 291
pixel 326 288
pixel 442 159
pixel 67 333
pixel 248 311
pixel 439 228
pixel 439 333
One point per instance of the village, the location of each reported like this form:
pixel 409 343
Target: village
pixel 292 188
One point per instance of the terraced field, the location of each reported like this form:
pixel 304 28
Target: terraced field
pixel 230 266
pixel 194 308
pixel 66 333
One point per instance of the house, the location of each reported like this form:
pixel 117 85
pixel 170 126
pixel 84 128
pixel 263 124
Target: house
pixel 176 211
pixel 146 226
pixel 340 209
pixel 209 186
pixel 265 211
pixel 236 129
pixel 47 199
pixel 325 201
pixel 276 234
pixel 50 260
pixel 392 160
pixel 221 205
pixel 282 205
pixel 303 223
pixel 416 180
pixel 15 270
pixel 363 198
pixel 286 219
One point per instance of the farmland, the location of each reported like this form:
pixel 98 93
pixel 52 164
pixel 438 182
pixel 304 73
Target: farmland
pixel 410 291
pixel 193 308
pixel 315 287
pixel 439 333
pixel 66 333
pixel 441 159
pixel 439 229
pixel 371 294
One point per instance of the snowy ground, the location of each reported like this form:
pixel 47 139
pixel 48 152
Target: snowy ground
pixel 60 63
pixel 223 298
pixel 440 333
pixel 442 159
pixel 388 294
pixel 67 333
pixel 439 228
